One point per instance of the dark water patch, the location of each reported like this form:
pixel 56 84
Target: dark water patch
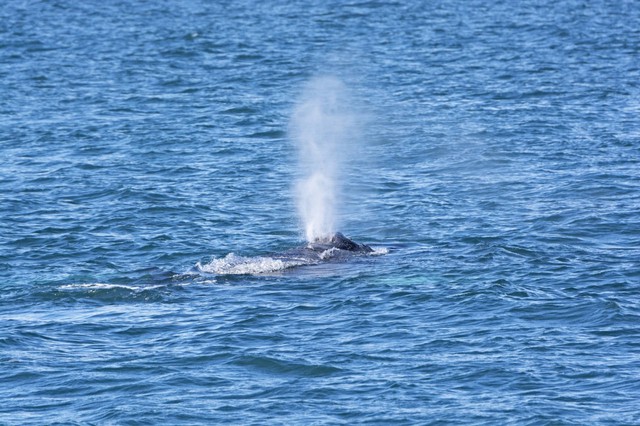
pixel 271 366
pixel 271 134
pixel 240 110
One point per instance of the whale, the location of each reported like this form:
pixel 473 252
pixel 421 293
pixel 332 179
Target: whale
pixel 331 248
pixel 338 241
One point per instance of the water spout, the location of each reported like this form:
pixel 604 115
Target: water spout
pixel 322 127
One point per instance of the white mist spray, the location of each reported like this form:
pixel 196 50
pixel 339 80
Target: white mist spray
pixel 322 127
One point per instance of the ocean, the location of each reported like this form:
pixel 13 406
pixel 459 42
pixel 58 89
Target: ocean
pixel 158 157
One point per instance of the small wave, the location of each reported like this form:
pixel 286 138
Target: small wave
pixel 108 292
pixel 105 286
pixel 239 265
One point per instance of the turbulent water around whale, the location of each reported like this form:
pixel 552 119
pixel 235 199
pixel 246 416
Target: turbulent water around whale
pixel 172 174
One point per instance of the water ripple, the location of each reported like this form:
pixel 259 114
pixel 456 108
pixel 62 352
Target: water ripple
pixel 499 167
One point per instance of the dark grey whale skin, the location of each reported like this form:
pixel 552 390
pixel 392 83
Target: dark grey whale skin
pixel 312 253
pixel 339 241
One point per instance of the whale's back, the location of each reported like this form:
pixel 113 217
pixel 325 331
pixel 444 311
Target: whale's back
pixel 339 241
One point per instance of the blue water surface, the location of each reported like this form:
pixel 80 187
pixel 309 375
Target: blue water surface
pixel 498 167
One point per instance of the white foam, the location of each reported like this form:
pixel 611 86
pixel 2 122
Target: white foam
pixel 329 253
pixel 93 286
pixel 239 265
pixel 378 251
